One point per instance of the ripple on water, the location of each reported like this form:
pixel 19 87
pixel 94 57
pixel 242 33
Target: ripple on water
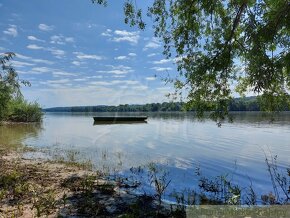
pixel 178 142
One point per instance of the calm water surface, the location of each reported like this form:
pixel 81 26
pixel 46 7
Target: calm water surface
pixel 177 142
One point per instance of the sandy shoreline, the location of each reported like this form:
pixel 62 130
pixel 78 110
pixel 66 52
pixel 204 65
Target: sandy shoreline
pixel 41 177
pixel 35 187
pixel 39 188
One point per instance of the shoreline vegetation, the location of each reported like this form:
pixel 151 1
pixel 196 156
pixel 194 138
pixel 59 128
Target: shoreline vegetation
pixel 65 186
pixel 237 104
pixel 13 106
pixel 21 111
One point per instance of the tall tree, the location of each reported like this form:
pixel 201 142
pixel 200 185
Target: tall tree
pixel 9 83
pixel 221 47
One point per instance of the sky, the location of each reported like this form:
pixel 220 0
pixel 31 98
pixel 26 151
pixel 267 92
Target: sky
pixel 77 53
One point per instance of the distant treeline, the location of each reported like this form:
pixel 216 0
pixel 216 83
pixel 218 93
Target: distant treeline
pixel 238 104
pixel 165 106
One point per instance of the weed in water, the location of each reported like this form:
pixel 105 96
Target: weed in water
pixel 159 178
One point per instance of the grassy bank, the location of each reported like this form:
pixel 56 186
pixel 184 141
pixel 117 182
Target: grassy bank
pixel 20 110
pixel 37 188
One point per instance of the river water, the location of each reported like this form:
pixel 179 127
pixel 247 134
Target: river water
pixel 175 141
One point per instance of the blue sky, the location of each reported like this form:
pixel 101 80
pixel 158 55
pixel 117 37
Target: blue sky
pixel 78 53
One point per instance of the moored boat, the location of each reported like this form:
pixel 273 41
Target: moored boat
pixel 119 118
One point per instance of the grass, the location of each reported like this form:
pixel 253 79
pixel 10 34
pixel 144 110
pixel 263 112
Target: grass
pixel 70 158
pixel 22 185
pixel 20 110
pixel 39 189
pixel 35 187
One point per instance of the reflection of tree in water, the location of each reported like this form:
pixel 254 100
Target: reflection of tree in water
pixel 15 134
pixel 283 118
pixel 252 117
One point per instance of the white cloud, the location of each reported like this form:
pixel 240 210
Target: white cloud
pixel 114 82
pixel 121 58
pixel 123 68
pixel 91 25
pixel 60 81
pixel 33 38
pixel 83 56
pixel 58 53
pixel 12 31
pixel 166 88
pixel 163 61
pixel 122 36
pixel 125 33
pixel 60 39
pixel 160 69
pixel 118 70
pixel 23 57
pixel 21 64
pixel 114 71
pixel 45 27
pixel 54 72
pixel 41 61
pixel 151 78
pixel 37 70
pixel 69 39
pixel 56 40
pixel 34 47
pixel 118 76
pixel 94 77
pixel 107 33
pixel 84 94
pixel 126 36
pixel 42 70
pixel 152 55
pixel 63 73
pixel 140 87
pixel 132 54
pixel 80 79
pixel 101 83
pixel 154 43
pixel 77 63
pixel 23 72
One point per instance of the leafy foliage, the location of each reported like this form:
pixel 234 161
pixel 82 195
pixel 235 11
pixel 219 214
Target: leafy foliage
pixel 221 44
pixel 12 104
pixel 22 111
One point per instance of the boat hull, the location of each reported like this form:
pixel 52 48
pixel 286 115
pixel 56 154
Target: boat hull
pixel 120 119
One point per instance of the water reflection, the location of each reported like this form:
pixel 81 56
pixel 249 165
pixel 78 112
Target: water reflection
pixel 15 134
pixel 118 122
pixel 174 140
pixel 252 117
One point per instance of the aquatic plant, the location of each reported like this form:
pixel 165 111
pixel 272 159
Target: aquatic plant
pixel 20 110
pixel 159 178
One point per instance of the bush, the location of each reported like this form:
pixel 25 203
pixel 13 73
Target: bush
pixel 21 110
pixel 4 99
